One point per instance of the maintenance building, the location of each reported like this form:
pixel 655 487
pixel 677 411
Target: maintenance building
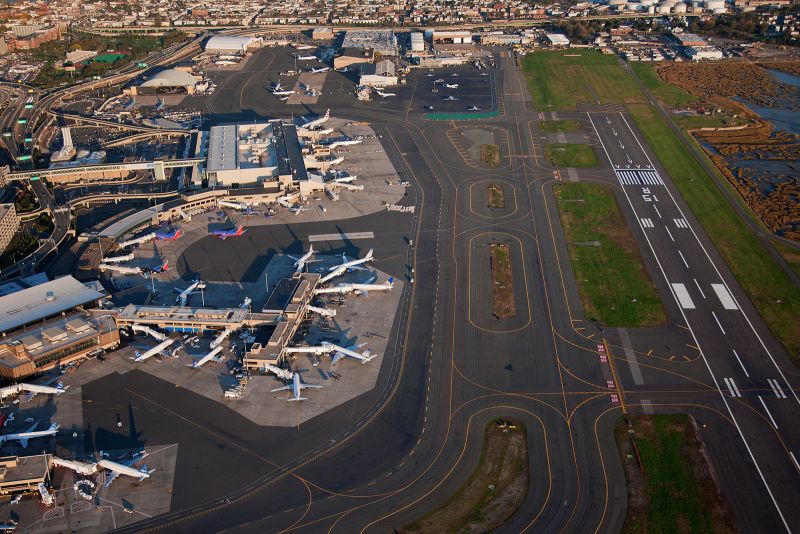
pixel 231 45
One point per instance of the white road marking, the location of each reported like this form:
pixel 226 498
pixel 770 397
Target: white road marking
pixel 683 259
pixel 630 355
pixel 669 234
pixel 657 212
pixel 697 341
pixel 732 387
pixel 794 461
pixel 681 223
pixel 683 296
pixel 647 223
pixel 698 287
pixel 776 387
pixel 719 324
pixel 724 297
pixel 740 363
pixel 764 404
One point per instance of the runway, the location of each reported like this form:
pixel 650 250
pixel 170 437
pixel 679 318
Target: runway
pixel 392 455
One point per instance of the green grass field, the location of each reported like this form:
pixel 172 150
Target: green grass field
pixel 614 287
pixel 773 293
pixel 791 255
pixel 671 490
pixel 671 95
pixel 571 155
pixel 559 80
pixel 559 126
pixel 688 122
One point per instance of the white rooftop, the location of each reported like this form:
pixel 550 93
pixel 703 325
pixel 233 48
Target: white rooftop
pixel 221 42
pixel 44 300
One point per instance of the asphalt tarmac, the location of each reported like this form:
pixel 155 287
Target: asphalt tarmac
pixel 401 450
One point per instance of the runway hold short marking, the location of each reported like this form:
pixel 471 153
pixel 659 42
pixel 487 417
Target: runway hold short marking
pixel 681 223
pixel 647 223
pixel 724 297
pixel 637 177
pixel 684 299
pixel 342 236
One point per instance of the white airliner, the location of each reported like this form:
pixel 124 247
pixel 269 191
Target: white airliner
pixel 358 289
pixel 118 259
pixel 29 434
pixel 277 90
pixel 384 95
pixel 340 352
pixel 474 108
pixel 183 297
pixel 312 124
pixel 450 98
pixel 321 69
pixel 207 358
pixel 297 210
pixel 439 80
pixel 451 85
pixel 300 263
pixel 142 356
pixel 296 388
pixel 239 206
pixel 307 58
pixel 346 266
pixel 302 46
pixel 125 468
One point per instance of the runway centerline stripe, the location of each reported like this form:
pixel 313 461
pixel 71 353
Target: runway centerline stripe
pixel 700 289
pixel 344 236
pixel 724 297
pixel 683 296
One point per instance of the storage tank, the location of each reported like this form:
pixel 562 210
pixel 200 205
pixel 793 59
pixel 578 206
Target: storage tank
pixel 664 8
pixel 679 8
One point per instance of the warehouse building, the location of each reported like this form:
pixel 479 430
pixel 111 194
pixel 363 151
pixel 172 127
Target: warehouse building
pixel 557 40
pixel 417 42
pixel 451 36
pixel 323 33
pixel 19 474
pixel 381 74
pixel 48 325
pixel 383 42
pixel 241 154
pixel 220 44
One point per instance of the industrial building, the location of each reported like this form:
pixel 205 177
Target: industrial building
pixel 352 56
pixel 690 39
pixel 170 80
pixel 323 33
pixel 9 224
pixel 704 53
pixel 557 40
pixel 381 74
pixel 451 36
pixel 220 44
pixel 501 39
pixel 48 325
pixel 417 42
pixel 383 42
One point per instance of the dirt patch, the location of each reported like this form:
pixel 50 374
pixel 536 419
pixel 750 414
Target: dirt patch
pixel 490 154
pixel 495 490
pixel 497 198
pixel 671 485
pixel 502 282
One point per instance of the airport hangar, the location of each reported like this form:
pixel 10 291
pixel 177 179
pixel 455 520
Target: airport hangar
pixel 169 80
pixel 230 45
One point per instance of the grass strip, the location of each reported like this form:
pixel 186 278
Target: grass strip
pixel 490 154
pixel 670 484
pixel 502 282
pixel 613 284
pixel 494 491
pixel 570 155
pixel 497 199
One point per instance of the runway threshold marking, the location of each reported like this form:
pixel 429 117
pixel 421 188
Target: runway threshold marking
pixel 724 297
pixel 343 236
pixel 638 177
pixel 683 296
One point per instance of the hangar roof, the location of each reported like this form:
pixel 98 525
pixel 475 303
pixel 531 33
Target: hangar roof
pixel 42 301
pixel 171 78
pixel 220 42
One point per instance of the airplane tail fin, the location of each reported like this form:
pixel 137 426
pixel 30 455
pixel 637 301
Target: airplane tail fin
pixel 165 267
pixel 328 114
pixel 390 282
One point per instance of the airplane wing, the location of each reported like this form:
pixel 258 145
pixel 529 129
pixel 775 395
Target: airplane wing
pixel 32 427
pixel 284 388
pixel 110 478
pixel 304 386
pixel 358 268
pixel 23 442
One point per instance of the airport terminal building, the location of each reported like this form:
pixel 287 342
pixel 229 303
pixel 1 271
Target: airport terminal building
pixel 49 324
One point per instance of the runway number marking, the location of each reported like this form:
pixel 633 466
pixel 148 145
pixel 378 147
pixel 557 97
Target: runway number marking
pixel 648 223
pixel 647 196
